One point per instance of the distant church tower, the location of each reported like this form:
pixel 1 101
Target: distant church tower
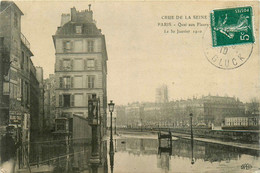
pixel 161 94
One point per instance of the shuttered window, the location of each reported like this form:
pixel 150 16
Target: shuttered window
pixel 90 46
pixel 60 100
pixel 90 64
pixel 91 81
pixel 72 100
pixel 67 46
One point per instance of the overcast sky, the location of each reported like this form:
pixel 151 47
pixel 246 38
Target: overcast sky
pixel 140 56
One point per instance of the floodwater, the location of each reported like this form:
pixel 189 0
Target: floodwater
pixel 136 153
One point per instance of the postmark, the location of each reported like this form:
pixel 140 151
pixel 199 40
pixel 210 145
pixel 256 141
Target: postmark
pixel 225 57
pixel 232 26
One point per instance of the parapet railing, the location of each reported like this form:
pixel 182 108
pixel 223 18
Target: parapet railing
pixel 25 41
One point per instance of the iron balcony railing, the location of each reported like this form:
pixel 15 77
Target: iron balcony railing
pixel 25 41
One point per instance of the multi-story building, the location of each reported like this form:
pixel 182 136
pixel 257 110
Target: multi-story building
pixel 217 108
pixel 206 111
pixel 80 67
pixel 39 77
pixel 19 86
pixel 49 103
pixel 15 77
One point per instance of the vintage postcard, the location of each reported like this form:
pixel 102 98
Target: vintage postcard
pixel 129 86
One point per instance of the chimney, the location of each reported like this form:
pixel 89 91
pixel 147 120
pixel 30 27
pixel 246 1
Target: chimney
pixel 73 14
pixel 64 19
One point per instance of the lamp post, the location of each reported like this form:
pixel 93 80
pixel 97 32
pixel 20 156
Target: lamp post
pixel 191 133
pixel 93 111
pixel 111 109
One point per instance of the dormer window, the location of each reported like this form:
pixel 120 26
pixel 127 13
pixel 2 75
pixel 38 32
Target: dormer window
pixel 78 29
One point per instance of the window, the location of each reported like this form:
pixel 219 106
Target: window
pixel 67 45
pixel 78 46
pixel 65 82
pixel 66 100
pixel 78 82
pixel 90 64
pixel 28 63
pixel 78 99
pixel 60 125
pixel 22 61
pixel 91 46
pixel 78 64
pixel 91 81
pixel 78 29
pixel 28 94
pixel 90 96
pixel 66 65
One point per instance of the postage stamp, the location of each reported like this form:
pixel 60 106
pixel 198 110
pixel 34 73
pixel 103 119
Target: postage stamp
pixel 232 26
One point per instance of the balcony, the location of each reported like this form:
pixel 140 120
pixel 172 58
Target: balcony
pixel 25 41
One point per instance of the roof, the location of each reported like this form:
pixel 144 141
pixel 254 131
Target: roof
pixel 88 29
pixel 7 4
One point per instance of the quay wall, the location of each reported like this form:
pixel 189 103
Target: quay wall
pixel 247 136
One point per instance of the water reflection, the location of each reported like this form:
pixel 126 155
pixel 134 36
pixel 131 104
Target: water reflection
pixel 132 154
pixel 184 156
pixel 69 158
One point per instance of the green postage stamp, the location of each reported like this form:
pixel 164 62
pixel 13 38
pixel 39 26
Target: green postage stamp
pixel 232 26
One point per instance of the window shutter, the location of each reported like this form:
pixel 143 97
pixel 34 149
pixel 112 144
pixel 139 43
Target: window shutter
pixel 71 46
pixel 71 64
pixel 60 100
pixel 71 80
pixel 64 46
pixel 72 100
pixel 93 46
pixel 85 64
pixel 95 64
pixel 61 65
pixel 93 81
pixel 87 99
pixel 88 81
pixel 61 82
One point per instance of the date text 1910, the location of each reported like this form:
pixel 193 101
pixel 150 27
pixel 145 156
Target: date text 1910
pixel 232 26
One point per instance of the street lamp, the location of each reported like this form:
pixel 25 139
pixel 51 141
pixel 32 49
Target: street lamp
pixel 111 109
pixel 191 133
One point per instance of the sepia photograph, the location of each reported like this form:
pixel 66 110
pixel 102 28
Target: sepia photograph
pixel 129 86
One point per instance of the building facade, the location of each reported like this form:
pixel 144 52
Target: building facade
pixel 81 65
pixel 49 103
pixel 207 111
pixel 19 86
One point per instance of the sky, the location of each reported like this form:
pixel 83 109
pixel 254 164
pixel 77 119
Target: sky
pixel 141 56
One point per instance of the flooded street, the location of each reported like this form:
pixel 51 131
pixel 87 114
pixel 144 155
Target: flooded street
pixel 141 153
pixel 135 154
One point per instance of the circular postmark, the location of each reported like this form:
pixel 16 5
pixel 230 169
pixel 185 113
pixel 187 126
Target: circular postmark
pixel 225 57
